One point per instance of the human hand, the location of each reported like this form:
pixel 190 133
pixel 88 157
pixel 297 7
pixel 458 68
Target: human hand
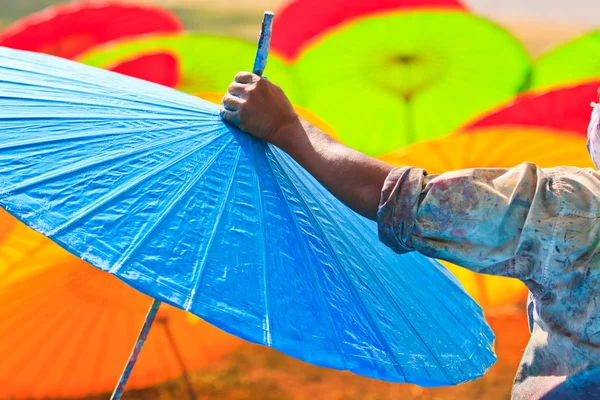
pixel 258 107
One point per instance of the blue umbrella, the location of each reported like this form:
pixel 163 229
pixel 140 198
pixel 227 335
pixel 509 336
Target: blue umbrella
pixel 147 183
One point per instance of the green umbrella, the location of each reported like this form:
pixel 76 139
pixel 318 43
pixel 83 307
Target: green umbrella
pixel 205 63
pixel 392 79
pixel 573 62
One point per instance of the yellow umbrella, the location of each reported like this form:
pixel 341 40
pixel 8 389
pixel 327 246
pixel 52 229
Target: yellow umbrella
pixel 19 255
pixel 501 147
pixel 68 328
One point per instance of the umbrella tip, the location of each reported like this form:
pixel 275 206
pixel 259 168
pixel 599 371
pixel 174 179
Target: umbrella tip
pixel 263 43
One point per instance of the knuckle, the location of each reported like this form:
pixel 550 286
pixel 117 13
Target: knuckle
pixel 243 76
pixel 243 112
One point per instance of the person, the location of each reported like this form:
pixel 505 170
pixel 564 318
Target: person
pixel 541 226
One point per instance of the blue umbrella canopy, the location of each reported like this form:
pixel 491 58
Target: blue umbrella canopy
pixel 147 183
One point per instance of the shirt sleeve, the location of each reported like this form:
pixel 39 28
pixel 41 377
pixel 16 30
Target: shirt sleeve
pixel 495 221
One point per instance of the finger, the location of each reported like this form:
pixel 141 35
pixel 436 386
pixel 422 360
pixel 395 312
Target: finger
pixel 230 116
pixel 244 77
pixel 232 103
pixel 238 89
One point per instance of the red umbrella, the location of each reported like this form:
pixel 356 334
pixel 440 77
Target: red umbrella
pixel 67 30
pixel 565 109
pixel 303 20
pixel 159 67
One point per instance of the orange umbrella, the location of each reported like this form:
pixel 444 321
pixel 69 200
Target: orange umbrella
pixel 19 255
pixel 68 328
pixel 512 336
pixel 494 147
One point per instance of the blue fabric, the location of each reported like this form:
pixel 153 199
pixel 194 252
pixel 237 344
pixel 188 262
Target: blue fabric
pixel 148 184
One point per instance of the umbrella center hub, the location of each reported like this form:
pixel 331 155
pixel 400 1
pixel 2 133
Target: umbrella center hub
pixel 406 74
pixel 405 59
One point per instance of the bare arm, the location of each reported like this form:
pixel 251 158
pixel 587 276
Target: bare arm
pixel 260 108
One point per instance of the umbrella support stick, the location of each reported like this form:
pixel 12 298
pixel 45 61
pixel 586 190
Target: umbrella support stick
pixel 184 371
pixel 118 392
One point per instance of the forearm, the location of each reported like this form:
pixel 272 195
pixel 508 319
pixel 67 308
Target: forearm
pixel 260 108
pixel 354 178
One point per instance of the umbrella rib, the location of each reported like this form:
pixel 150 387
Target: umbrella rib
pixel 24 261
pixel 261 220
pixel 479 152
pixel 45 101
pixel 17 368
pixel 102 134
pixel 481 318
pixel 37 142
pixel 314 274
pixel 441 154
pixel 145 232
pixel 15 315
pixel 200 273
pixel 27 326
pixel 468 146
pixel 425 310
pixel 66 148
pixel 383 340
pixel 86 116
pixel 488 156
pixel 7 228
pixel 59 125
pixel 450 336
pixel 123 96
pixel 100 355
pixel 43 373
pixel 185 107
pixel 127 186
pixel 377 279
pixel 362 233
pixel 88 163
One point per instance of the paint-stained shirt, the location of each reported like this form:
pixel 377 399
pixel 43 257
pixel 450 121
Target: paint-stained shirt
pixel 541 226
